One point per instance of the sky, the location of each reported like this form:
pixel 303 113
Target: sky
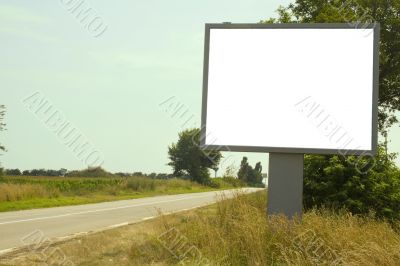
pixel 127 78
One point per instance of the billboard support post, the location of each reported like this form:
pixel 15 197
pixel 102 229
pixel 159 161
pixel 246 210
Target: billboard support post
pixel 285 184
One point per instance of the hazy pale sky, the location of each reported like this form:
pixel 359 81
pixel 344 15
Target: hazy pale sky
pixel 129 91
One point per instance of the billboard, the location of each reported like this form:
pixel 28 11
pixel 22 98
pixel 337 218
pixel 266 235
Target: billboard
pixel 290 88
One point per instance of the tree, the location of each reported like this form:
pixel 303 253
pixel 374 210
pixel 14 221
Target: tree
pixel 244 170
pixel 26 172
pixel 258 173
pixel 186 157
pixel 387 13
pixel 249 175
pixel 13 172
pixel 137 174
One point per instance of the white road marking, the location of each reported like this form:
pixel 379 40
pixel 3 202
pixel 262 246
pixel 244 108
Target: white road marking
pixel 118 225
pixel 4 251
pixel 101 210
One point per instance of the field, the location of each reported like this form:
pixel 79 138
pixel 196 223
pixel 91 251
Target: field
pixel 231 232
pixel 27 192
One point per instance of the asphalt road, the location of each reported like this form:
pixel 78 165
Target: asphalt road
pixel 19 228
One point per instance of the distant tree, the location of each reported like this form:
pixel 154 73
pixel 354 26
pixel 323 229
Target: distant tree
pixel 38 172
pixel 90 172
pixel 152 175
pixel 13 172
pixel 162 176
pixel 137 174
pixel 244 170
pixel 186 157
pixel 63 171
pixel 26 172
pixel 51 172
pixel 249 175
pixel 257 174
pixel 121 174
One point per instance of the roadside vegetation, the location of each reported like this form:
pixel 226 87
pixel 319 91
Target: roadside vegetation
pixel 27 192
pixel 234 232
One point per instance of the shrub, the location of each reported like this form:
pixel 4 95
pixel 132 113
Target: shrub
pixel 336 182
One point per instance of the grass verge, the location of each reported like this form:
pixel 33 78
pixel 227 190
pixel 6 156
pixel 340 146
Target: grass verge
pixel 21 193
pixel 232 232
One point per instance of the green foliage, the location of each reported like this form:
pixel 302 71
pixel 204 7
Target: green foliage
pixel 249 175
pixel 336 181
pixel 186 157
pixel 387 13
pixel 13 172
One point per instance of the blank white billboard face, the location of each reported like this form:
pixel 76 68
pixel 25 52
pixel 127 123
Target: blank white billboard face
pixel 301 88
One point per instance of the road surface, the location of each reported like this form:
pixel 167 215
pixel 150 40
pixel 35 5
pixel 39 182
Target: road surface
pixel 19 228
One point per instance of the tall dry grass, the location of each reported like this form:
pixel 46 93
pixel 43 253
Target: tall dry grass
pixel 234 232
pixel 238 232
pixel 15 192
pixel 17 188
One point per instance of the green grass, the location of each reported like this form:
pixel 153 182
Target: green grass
pixel 21 193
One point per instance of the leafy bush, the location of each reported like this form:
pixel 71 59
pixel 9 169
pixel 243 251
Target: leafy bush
pixel 337 182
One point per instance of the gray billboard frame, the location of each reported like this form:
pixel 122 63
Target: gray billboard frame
pixel 297 150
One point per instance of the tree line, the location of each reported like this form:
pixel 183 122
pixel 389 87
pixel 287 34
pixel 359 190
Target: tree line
pixel 89 172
